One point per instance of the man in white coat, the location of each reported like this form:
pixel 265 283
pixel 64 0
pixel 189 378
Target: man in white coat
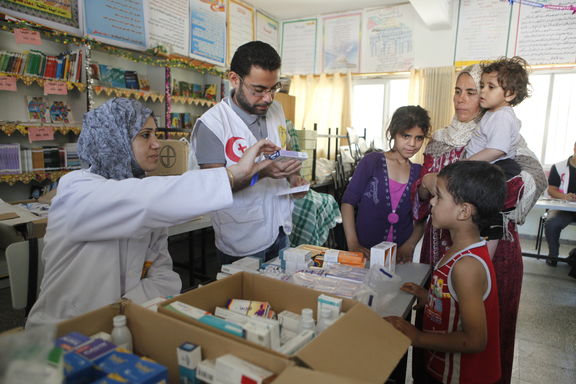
pixel 259 220
pixel 106 237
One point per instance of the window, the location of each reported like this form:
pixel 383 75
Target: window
pixel 373 103
pixel 549 116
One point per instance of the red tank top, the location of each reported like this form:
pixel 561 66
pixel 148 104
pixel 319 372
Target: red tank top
pixel 442 315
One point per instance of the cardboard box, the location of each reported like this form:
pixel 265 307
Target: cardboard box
pixel 157 336
pixel 360 345
pixel 173 158
pixel 303 375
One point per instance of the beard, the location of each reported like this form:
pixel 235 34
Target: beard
pixel 252 109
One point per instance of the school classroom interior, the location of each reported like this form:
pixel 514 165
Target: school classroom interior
pixel 357 81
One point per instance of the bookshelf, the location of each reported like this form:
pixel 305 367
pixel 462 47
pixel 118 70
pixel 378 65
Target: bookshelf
pixel 31 120
pixel 62 61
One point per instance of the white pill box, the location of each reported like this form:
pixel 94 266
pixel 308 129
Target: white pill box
pixel 283 154
pixel 384 254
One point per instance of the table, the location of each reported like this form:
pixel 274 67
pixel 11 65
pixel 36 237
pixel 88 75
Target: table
pixel 549 204
pixel 417 273
pixel 402 304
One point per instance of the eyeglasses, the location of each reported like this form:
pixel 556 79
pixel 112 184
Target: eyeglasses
pixel 259 91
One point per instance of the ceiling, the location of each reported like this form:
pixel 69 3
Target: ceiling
pixel 292 9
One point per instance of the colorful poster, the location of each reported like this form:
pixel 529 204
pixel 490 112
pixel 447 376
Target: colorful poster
pixel 168 25
pixel 482 32
pixel 117 22
pixel 240 25
pixel 64 15
pixel 546 32
pixel 299 46
pixel 388 39
pixel 208 31
pixel 267 30
pixel 341 42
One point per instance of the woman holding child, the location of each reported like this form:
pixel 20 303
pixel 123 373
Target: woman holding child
pixel 448 146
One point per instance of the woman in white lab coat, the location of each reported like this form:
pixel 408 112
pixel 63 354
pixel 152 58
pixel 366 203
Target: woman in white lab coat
pixel 106 237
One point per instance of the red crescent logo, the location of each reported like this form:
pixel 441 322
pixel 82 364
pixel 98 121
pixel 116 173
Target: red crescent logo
pixel 235 147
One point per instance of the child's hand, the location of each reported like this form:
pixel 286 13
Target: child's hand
pixel 403 326
pixel 416 290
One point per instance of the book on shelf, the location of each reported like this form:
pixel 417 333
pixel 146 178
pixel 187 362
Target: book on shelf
pixel 131 80
pixel 10 161
pixel 197 91
pixel 105 79
pixel 95 68
pixel 60 113
pixel 117 77
pixel 65 66
pixel 36 107
pixel 48 158
pixel 143 83
pixel 37 159
pixel 176 120
pixel 210 92
pixel 52 159
pixel 72 160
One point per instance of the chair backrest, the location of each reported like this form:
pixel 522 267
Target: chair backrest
pixel 17 256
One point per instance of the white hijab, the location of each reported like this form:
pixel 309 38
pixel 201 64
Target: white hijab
pixel 458 133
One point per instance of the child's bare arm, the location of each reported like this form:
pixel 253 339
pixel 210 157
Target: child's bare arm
pixel 488 154
pixel 469 281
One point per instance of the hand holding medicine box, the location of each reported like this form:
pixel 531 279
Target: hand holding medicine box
pixel 384 254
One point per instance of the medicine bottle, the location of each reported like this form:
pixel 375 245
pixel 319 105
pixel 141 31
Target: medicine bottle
pixel 324 316
pixel 121 335
pixel 306 320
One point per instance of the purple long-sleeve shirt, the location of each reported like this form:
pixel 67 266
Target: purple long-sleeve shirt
pixel 368 191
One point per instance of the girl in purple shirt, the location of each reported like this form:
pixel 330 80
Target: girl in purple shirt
pixel 380 188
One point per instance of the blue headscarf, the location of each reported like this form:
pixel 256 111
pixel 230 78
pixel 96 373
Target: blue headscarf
pixel 105 142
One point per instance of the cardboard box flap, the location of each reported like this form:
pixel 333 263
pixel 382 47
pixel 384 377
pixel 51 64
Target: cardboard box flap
pixel 303 375
pixel 362 345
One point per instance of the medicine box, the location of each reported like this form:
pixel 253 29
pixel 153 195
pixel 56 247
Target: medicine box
pixel 373 347
pixel 283 154
pixel 158 336
pixel 384 254
pixel 189 356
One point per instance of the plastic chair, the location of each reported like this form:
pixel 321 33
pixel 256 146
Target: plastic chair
pixel 22 278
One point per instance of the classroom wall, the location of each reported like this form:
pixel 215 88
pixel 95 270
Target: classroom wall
pixel 433 48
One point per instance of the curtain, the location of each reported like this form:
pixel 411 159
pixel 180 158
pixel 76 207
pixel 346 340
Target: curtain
pixel 432 89
pixel 324 100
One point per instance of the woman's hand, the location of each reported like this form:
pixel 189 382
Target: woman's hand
pixel 427 186
pixel 416 290
pixel 243 171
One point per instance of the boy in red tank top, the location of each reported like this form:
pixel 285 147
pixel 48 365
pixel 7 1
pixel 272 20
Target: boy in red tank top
pixel 461 312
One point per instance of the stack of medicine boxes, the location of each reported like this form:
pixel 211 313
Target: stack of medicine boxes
pixel 307 142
